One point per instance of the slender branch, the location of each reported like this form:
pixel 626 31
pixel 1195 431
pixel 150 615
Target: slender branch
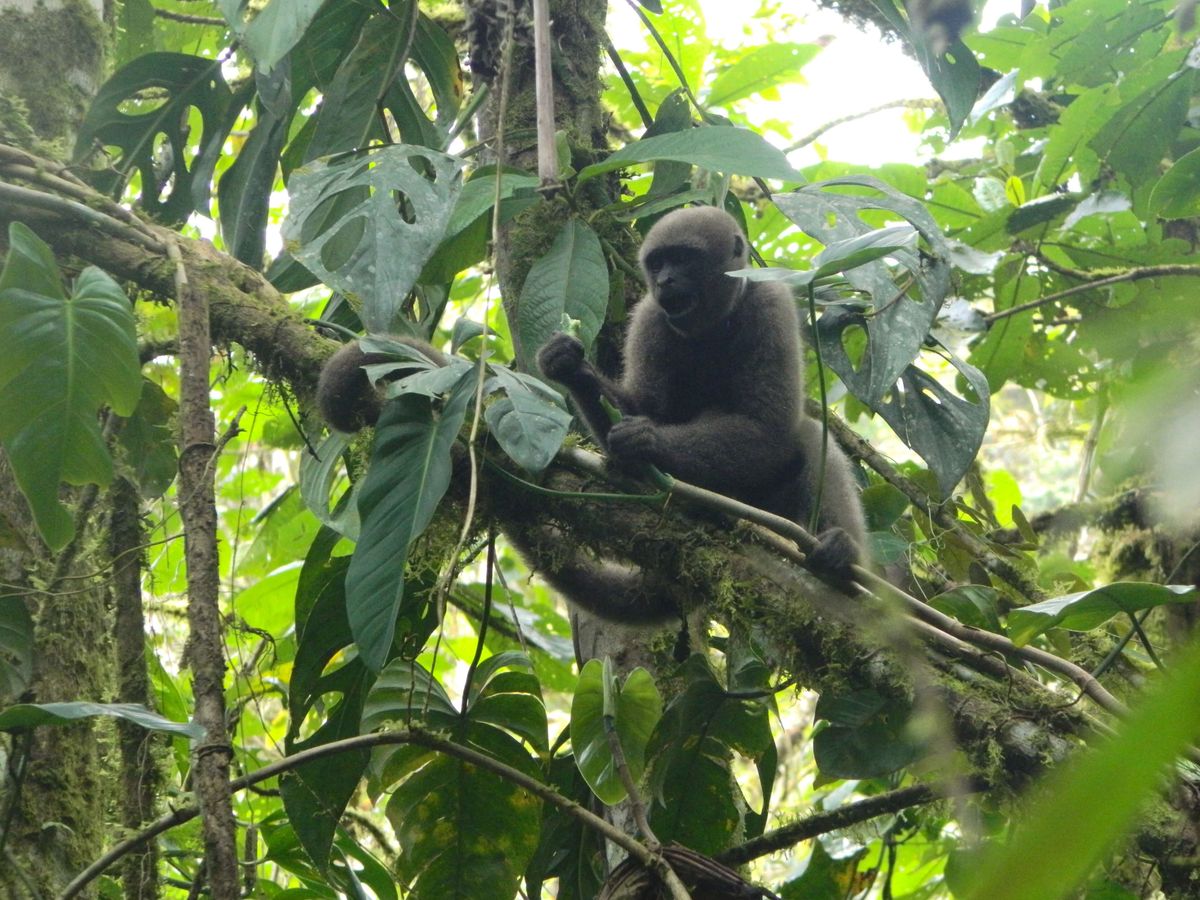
pixel 205 651
pixel 189 19
pixel 922 103
pixel 1131 275
pixel 26 197
pixel 547 156
pixel 820 823
pixel 362 742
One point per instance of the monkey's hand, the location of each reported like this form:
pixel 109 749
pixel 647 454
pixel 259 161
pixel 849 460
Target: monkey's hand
pixel 561 359
pixel 633 441
pixel 834 557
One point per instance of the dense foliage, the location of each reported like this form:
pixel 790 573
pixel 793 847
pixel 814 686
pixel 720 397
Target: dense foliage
pixel 1011 317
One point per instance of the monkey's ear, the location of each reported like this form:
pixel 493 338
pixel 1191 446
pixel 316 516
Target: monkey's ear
pixel 739 246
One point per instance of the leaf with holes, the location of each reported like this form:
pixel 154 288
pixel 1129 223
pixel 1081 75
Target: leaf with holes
pixel 152 134
pixel 396 205
pixel 902 318
pixel 61 359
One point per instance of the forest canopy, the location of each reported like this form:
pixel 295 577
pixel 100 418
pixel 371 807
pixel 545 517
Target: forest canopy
pixel 243 653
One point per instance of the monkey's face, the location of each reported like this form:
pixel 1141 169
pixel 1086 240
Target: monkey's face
pixel 685 257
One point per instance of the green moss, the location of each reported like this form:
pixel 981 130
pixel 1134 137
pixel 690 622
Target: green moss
pixel 55 99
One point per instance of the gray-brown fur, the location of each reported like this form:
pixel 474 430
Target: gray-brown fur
pixel 346 399
pixel 712 393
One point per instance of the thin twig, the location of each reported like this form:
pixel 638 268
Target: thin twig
pixel 923 103
pixel 1131 275
pixel 22 196
pixel 189 19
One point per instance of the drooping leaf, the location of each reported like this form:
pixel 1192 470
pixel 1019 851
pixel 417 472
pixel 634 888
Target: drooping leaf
pixel 1086 610
pixel 392 207
pixel 318 474
pixel 572 278
pixel 16 646
pixel 149 441
pixel 464 832
pixel 316 793
pixel 528 426
pixel 349 112
pixel 61 358
pixel 638 709
pixel 761 69
pixel 733 151
pixel 691 761
pixel 972 604
pixel 408 475
pixel 245 188
pixel 31 715
pixel 151 133
pixel 867 736
pixel 896 333
pixel 273 29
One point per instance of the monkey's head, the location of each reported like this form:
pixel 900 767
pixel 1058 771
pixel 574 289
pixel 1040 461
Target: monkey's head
pixel 684 259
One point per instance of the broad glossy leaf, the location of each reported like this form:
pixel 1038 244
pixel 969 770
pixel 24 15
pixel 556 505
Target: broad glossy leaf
pixel 16 646
pixel 316 793
pixel 638 709
pixel 61 359
pixel 528 426
pixel 572 278
pixel 1177 194
pixel 149 441
pixel 349 112
pixel 866 738
pixel 394 206
pixel 464 832
pixel 408 475
pixel 972 604
pixel 245 188
pixel 1099 793
pixel 1086 610
pixel 760 69
pixel 896 333
pixel 274 28
pixel 130 114
pixel 318 474
pixel 31 715
pixel 691 754
pixel 732 151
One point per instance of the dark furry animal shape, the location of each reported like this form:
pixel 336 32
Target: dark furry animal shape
pixel 712 393
pixel 346 398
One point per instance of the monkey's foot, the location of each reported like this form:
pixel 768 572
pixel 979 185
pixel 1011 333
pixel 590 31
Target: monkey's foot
pixel 834 558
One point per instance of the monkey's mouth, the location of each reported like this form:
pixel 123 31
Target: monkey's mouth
pixel 676 305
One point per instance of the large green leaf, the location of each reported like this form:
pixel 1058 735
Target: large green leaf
pixel 636 710
pixel 733 151
pixel 316 794
pixel 148 438
pixel 130 113
pixel 571 279
pixel 1083 808
pixel 691 755
pixel 528 424
pixel 867 736
pixel 349 113
pixel 1085 610
pixel 897 330
pixel 463 832
pixel 273 29
pixel 245 188
pixel 319 472
pixel 408 475
pixel 761 69
pixel 1177 194
pixel 16 646
pixel 393 205
pixel 61 359
pixel 31 715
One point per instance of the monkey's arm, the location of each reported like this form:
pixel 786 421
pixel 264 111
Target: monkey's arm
pixel 562 360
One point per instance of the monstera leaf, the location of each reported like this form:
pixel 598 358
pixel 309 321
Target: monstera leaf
pixel 125 115
pixel 366 224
